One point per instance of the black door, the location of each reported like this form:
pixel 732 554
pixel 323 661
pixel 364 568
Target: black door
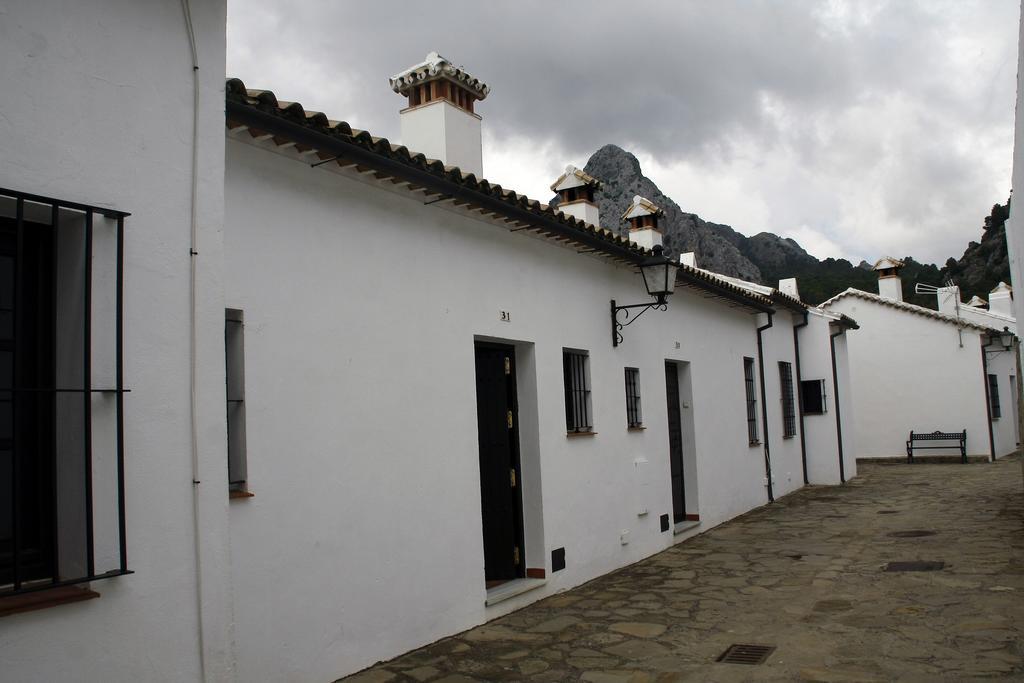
pixel 675 442
pixel 27 334
pixel 499 462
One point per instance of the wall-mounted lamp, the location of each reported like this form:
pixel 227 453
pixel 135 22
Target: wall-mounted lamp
pixel 1003 339
pixel 1006 338
pixel 659 273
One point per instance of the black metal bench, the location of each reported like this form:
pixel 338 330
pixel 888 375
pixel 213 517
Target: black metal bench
pixel 916 438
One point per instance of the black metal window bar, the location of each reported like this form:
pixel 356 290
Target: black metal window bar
pixel 577 391
pixel 234 357
pixel 633 416
pixel 62 505
pixel 788 402
pixel 993 393
pixel 748 378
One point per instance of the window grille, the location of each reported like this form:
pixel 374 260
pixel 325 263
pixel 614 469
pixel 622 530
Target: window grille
pixel 634 418
pixel 812 397
pixel 577 391
pixel 234 351
pixel 748 377
pixel 993 396
pixel 788 404
pixel 62 505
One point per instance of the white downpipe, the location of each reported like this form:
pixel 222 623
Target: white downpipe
pixel 192 345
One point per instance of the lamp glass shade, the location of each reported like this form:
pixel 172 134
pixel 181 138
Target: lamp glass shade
pixel 1006 339
pixel 659 274
pixel 670 277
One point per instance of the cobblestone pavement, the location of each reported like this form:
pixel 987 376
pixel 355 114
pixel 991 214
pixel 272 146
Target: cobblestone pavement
pixel 805 575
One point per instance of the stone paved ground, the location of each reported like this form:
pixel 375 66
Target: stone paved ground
pixel 804 575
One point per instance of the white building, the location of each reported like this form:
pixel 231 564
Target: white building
pixel 1015 223
pixel 103 118
pixel 921 370
pixel 374 400
pixel 809 343
pixel 599 481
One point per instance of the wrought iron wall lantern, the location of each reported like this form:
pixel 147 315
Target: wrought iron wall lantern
pixel 659 273
pixel 1004 339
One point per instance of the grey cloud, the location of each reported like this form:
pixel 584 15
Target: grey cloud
pixel 677 80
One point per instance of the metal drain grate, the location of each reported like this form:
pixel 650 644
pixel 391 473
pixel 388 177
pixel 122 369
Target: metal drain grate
pixel 915 566
pixel 888 512
pixel 746 654
pixel 911 533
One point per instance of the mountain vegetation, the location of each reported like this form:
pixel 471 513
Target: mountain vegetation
pixel 766 258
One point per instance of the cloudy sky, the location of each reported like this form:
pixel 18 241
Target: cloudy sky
pixel 857 128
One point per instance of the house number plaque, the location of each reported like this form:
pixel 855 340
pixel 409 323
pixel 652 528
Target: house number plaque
pixel 505 316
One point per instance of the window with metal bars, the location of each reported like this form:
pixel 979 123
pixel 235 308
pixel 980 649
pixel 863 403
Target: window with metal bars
pixel 575 367
pixel 62 504
pixel 634 418
pixel 993 396
pixel 234 366
pixel 788 404
pixel 748 379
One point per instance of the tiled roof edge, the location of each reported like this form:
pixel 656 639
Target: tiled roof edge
pixel 904 306
pixel 698 277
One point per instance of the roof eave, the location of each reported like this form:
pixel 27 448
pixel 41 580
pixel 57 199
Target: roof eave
pixel 343 146
pixel 690 277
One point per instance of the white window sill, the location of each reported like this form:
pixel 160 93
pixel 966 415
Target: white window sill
pixel 685 526
pixel 511 589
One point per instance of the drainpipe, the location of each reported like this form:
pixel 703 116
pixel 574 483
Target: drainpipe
pixel 193 352
pixel 799 395
pixel 835 392
pixel 988 400
pixel 764 409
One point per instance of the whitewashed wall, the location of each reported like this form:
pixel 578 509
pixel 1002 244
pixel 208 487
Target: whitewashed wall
pixel 365 525
pixel 820 430
pixel 98 110
pixel 909 372
pixel 849 408
pixel 786 458
pixel 1003 365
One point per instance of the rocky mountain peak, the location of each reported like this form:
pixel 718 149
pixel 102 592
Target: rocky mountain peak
pixel 766 257
pixel 717 246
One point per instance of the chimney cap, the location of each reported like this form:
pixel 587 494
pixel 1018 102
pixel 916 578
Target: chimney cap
pixel 1001 288
pixel 574 177
pixel 642 207
pixel 977 302
pixel 436 67
pixel 887 263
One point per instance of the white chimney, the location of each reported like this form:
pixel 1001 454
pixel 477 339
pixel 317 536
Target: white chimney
pixel 688 259
pixel 977 302
pixel 1000 300
pixel 643 215
pixel 889 284
pixel 439 121
pixel 575 191
pixel 948 298
pixel 788 287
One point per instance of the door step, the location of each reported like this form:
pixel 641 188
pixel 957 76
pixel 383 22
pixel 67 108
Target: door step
pixel 511 589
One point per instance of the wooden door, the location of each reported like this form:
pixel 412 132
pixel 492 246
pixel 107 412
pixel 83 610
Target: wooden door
pixel 675 441
pixel 499 462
